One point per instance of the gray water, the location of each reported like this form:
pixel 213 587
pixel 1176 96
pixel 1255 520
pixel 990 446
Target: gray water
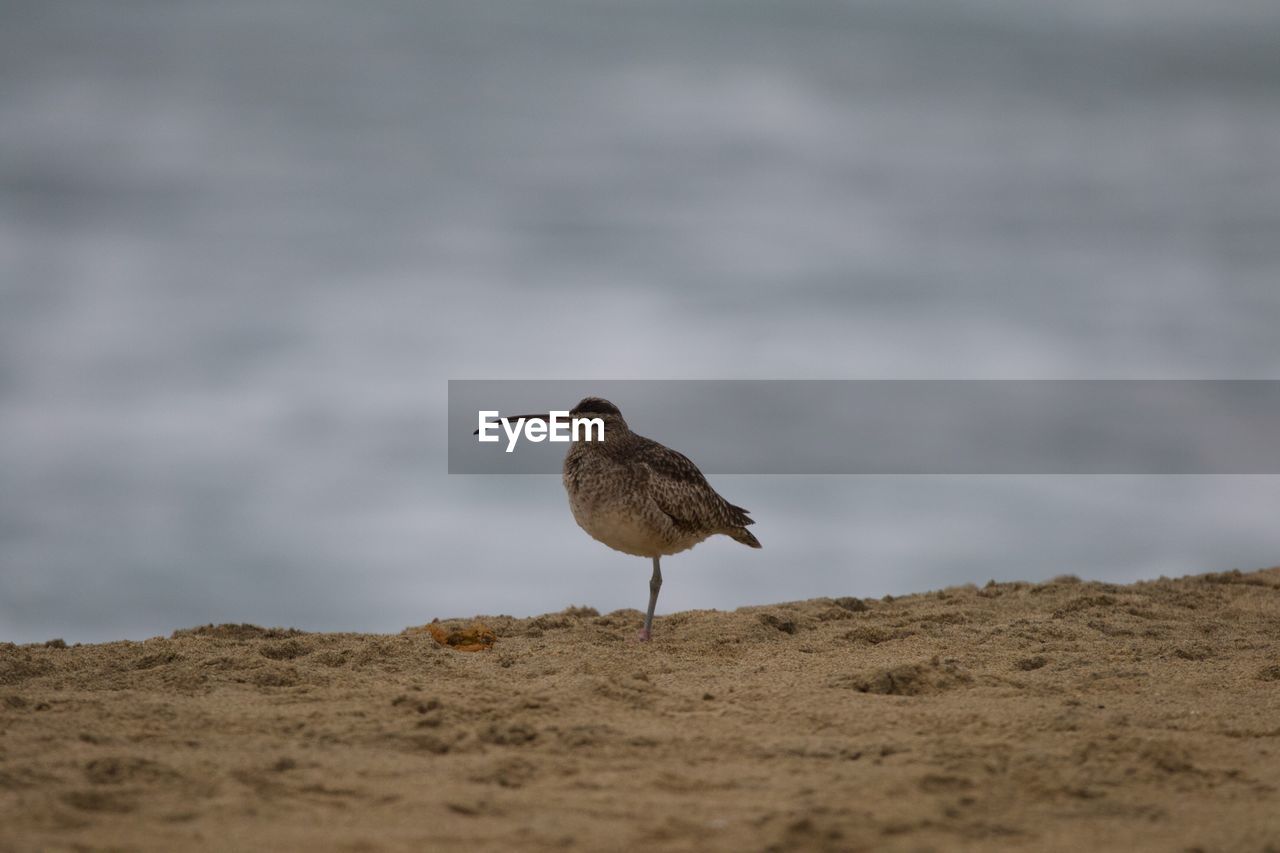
pixel 243 245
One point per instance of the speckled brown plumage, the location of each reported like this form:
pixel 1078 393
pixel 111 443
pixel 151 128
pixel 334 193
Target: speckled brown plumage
pixel 642 498
pixel 673 505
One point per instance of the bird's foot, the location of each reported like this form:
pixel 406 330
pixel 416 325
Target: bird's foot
pixel 643 636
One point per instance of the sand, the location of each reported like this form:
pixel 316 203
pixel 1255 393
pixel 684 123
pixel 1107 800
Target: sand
pixel 1016 716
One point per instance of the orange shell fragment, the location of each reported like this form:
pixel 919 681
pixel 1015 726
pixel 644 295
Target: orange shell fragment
pixel 477 638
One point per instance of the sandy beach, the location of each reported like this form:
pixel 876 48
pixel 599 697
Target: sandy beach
pixel 1058 716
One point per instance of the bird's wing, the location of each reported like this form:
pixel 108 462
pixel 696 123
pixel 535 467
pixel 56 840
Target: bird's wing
pixel 678 488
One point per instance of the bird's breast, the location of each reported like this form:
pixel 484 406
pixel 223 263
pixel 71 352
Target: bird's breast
pixel 612 503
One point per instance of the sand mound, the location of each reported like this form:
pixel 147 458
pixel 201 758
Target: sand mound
pixel 1064 716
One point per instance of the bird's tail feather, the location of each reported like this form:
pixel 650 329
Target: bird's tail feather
pixel 741 534
pixel 739 517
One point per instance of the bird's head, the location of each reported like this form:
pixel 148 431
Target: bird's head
pixel 598 407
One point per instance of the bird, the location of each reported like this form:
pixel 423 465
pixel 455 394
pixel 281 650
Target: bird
pixel 640 497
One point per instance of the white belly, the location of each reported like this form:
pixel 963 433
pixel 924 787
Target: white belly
pixel 633 534
pixel 622 532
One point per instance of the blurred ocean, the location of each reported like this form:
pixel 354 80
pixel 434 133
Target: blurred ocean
pixel 244 244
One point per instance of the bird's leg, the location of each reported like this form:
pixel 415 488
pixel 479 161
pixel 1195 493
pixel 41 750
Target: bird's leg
pixel 655 584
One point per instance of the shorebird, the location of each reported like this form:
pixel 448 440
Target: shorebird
pixel 640 497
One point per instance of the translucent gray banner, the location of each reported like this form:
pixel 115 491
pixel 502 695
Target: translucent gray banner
pixel 900 427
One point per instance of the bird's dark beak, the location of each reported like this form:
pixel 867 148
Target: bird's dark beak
pixel 517 418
